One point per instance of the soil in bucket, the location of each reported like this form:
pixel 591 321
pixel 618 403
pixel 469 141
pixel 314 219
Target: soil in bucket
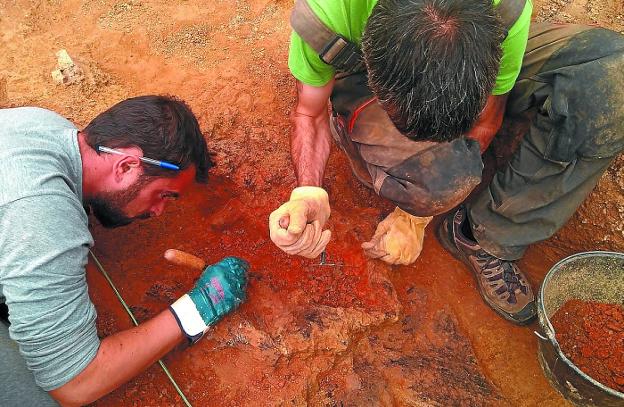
pixel 591 334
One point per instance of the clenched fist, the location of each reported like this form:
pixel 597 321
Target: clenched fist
pixel 296 227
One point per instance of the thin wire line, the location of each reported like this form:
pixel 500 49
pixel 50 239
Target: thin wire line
pixel 123 303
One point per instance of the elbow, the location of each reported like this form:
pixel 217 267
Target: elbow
pixel 428 197
pixel 433 181
pixel 420 202
pixel 72 395
pixel 66 399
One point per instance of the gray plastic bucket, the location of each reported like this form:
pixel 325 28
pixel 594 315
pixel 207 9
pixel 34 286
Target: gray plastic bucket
pixel 589 276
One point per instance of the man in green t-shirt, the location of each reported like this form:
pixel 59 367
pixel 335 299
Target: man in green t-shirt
pixel 415 108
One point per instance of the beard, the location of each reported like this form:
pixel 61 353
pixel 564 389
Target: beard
pixel 107 207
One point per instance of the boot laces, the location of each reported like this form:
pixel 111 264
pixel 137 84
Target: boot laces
pixel 511 278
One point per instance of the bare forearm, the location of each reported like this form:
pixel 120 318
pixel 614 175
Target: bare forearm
pixel 311 138
pixel 121 357
pixel 310 146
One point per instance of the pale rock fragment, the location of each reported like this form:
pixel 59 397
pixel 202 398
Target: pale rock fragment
pixel 66 72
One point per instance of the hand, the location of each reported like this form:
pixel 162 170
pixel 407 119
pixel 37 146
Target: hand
pixel 398 238
pixel 217 292
pixel 296 226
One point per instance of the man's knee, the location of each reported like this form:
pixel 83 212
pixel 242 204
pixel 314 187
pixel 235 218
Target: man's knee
pixel 434 181
pixel 605 98
pixel 584 109
pixel 420 200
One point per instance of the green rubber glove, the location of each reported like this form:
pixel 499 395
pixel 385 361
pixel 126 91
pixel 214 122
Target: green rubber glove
pixel 219 290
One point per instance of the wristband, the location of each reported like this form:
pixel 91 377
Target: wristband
pixel 188 318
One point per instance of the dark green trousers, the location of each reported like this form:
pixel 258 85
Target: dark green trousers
pixel 573 78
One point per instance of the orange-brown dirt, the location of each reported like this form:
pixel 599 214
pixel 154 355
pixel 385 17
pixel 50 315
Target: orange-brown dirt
pixel 363 335
pixel 591 334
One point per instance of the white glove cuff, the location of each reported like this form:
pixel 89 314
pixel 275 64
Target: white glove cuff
pixel 189 319
pixel 417 219
pixel 309 191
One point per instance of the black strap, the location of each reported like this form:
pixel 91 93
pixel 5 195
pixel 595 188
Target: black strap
pixel 332 48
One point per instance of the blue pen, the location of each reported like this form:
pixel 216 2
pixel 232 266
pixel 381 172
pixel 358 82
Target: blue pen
pixel 161 164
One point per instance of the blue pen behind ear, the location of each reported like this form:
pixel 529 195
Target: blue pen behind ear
pixel 164 164
pixel 147 160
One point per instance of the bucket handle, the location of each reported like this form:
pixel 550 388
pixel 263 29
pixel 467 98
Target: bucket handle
pixel 540 336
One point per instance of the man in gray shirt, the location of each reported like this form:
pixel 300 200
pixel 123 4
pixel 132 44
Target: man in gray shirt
pixel 50 171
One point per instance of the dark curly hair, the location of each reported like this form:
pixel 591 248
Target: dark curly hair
pixel 163 127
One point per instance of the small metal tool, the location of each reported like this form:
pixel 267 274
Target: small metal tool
pixel 323 260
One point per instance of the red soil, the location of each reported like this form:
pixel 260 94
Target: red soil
pixel 364 335
pixel 591 334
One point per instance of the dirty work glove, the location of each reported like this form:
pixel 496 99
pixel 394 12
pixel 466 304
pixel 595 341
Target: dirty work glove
pixel 296 227
pixel 398 238
pixel 219 290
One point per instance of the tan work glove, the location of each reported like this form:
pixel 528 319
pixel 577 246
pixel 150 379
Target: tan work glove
pixel 398 238
pixel 296 227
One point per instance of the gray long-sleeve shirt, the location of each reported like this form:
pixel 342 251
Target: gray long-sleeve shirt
pixel 44 241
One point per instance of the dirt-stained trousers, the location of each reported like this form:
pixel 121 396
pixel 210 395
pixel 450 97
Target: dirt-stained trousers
pixel 573 77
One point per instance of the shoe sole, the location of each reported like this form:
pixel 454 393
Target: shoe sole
pixel 443 238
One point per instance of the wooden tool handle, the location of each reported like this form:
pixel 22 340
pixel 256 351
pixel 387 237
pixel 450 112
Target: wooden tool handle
pixel 180 258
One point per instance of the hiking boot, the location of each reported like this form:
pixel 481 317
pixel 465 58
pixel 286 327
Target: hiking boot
pixel 501 283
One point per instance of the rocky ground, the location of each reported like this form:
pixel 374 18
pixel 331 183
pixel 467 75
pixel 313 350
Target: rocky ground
pixel 354 335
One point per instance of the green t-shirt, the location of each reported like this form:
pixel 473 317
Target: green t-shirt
pixel 348 18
